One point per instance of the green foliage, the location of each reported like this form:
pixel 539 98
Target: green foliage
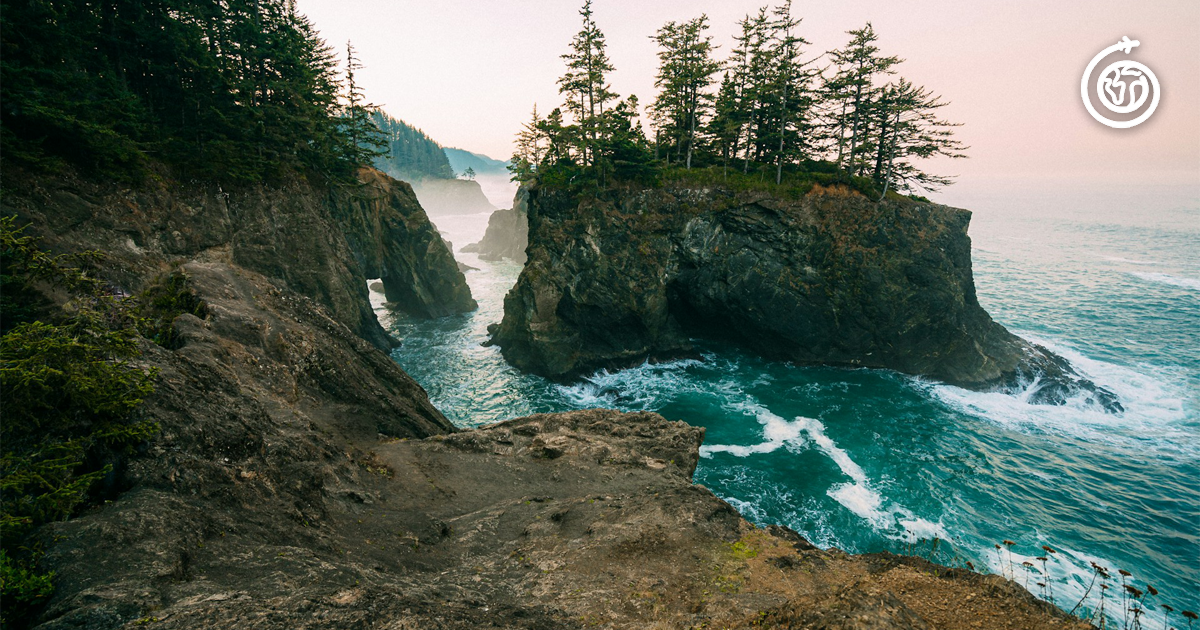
pixel 796 182
pixel 410 154
pixel 685 70
pixel 21 586
pixel 70 399
pixel 227 89
pixel 158 306
pixel 774 113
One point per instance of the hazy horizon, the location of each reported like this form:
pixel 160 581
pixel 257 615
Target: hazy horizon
pixel 469 73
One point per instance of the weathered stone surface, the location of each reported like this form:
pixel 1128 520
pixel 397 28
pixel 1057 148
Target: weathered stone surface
pixel 323 527
pixel 830 278
pixel 301 479
pixel 324 242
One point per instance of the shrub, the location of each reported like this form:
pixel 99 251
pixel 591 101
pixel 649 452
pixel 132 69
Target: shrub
pixel 70 402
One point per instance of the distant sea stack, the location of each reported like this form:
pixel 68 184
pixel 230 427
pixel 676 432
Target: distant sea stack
pixel 827 278
pixel 507 232
pixel 440 197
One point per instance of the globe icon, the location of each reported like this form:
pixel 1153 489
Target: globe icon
pixel 1122 87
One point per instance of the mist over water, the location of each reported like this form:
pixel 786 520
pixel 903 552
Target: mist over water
pixel 867 460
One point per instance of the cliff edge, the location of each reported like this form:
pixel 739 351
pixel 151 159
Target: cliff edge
pixel 323 242
pixel 299 478
pixel 554 521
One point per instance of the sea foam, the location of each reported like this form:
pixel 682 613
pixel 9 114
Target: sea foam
pixel 858 495
pixel 1164 278
pixel 1154 415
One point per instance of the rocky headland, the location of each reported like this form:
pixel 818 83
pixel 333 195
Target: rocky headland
pixel 299 478
pixel 323 242
pixel 825 277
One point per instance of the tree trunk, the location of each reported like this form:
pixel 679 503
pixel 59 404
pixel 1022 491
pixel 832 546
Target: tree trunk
pixel 782 128
pixel 854 127
pixel 691 131
pixel 880 151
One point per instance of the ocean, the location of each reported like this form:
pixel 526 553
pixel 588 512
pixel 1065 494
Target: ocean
pixel 871 460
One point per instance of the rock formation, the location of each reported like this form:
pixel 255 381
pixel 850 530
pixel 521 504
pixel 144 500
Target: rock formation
pixel 829 278
pixel 300 479
pixel 573 520
pixel 451 196
pixel 507 233
pixel 323 243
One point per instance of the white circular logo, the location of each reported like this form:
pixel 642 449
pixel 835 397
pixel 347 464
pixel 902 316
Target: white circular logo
pixel 1122 87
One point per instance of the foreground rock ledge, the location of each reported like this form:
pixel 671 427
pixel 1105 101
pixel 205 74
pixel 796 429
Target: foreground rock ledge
pixel 573 520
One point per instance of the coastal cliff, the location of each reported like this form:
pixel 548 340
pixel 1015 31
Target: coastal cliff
pixel 323 242
pixel 828 277
pixel 298 477
pixel 572 520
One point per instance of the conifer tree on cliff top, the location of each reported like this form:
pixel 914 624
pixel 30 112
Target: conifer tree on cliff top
pixel 584 85
pixel 238 90
pixel 773 112
pixel 685 71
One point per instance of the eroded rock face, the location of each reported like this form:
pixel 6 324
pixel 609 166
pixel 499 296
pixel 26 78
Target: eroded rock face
pixel 507 233
pixel 300 479
pixel 323 242
pixel 831 278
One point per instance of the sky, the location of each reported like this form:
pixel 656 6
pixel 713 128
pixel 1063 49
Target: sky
pixel 469 72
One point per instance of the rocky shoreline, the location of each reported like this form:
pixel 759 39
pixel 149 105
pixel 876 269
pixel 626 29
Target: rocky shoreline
pixel 301 479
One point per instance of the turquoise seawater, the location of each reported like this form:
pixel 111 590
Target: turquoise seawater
pixel 870 460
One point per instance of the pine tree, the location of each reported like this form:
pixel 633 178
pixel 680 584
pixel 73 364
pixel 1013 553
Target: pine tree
pixel 853 87
pixel 236 89
pixel 791 84
pixel 365 142
pixel 685 72
pixel 585 85
pixel 908 128
pixel 530 149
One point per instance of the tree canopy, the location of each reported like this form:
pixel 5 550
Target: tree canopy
pixel 229 89
pixel 408 152
pixel 768 108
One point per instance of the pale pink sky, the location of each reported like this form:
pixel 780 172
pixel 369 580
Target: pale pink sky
pixel 467 72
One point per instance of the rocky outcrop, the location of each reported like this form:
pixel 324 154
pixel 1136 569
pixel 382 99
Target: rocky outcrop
pixel 300 479
pixel 451 196
pixel 829 278
pixel 324 242
pixel 574 520
pixel 507 233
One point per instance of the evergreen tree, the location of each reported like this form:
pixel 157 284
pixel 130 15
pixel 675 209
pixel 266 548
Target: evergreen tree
pixel 366 142
pixel 685 72
pixel 908 128
pixel 853 89
pixel 530 150
pixel 235 89
pixel 585 85
pixel 409 153
pixel 791 86
pixel 623 149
